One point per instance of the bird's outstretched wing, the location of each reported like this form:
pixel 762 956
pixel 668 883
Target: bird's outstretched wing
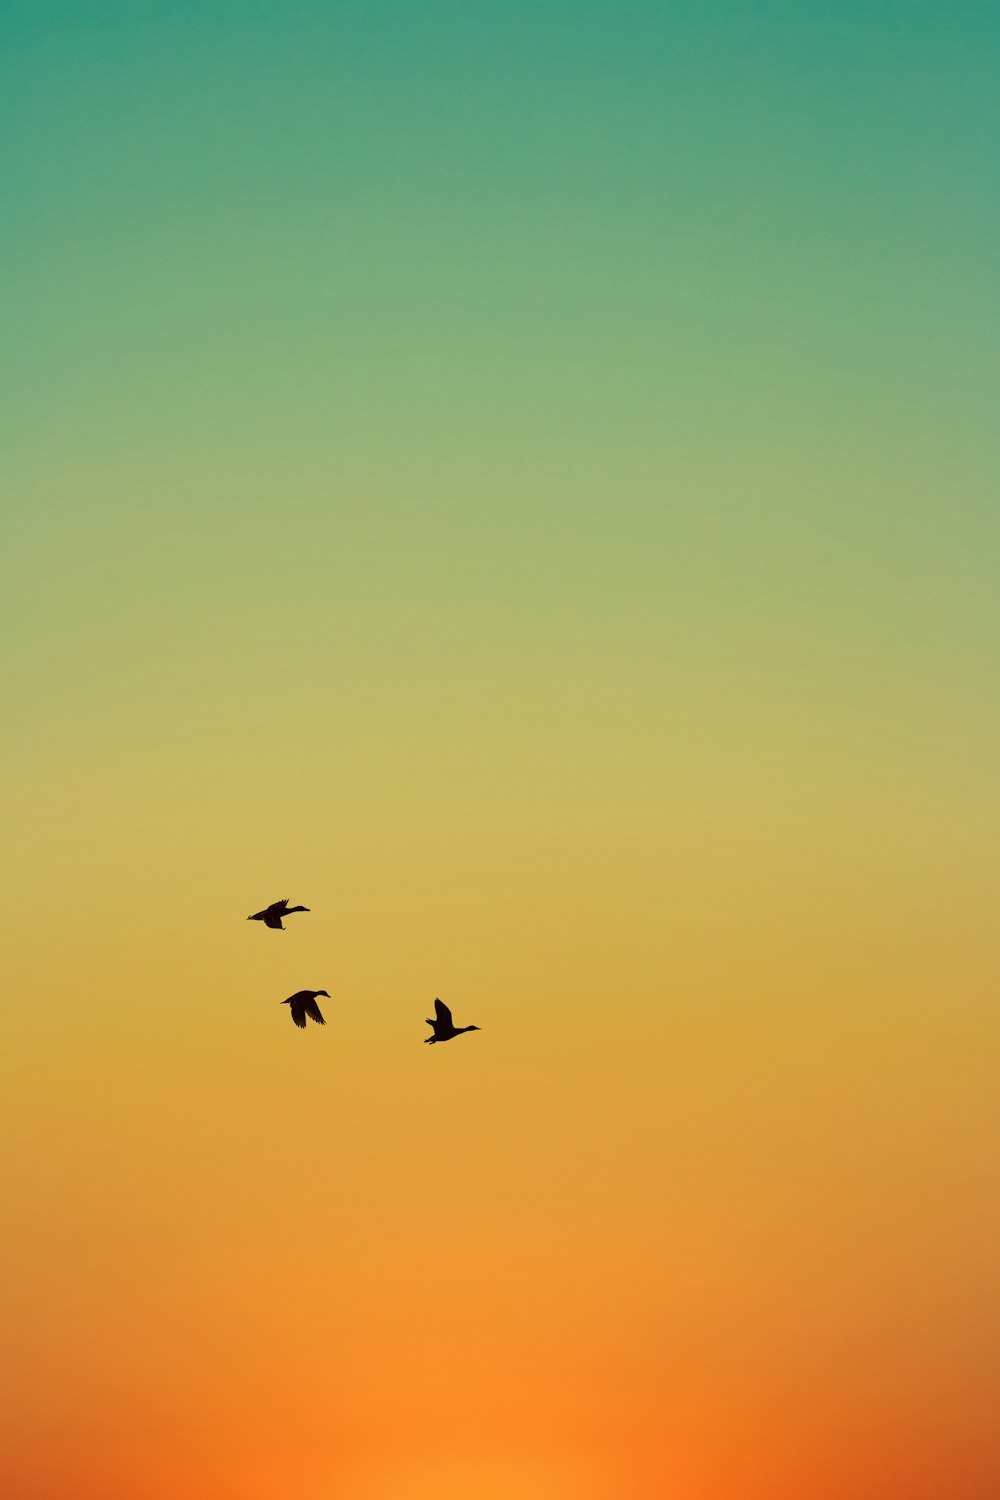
pixel 443 1014
pixel 312 1009
pixel 280 905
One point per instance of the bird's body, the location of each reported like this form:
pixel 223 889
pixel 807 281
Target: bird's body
pixel 444 1026
pixel 271 915
pixel 303 1003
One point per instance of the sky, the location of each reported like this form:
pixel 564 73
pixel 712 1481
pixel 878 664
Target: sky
pixel 519 480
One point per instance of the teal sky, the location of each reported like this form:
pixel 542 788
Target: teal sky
pixel 598 231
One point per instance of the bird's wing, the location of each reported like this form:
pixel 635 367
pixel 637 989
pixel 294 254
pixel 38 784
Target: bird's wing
pixel 273 919
pixel 443 1014
pixel 280 905
pixel 298 1010
pixel 312 1009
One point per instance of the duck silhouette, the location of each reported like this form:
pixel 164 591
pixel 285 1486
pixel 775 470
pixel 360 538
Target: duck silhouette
pixel 303 1003
pixel 271 915
pixel 444 1026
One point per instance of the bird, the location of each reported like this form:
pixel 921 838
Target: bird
pixel 303 1003
pixel 444 1026
pixel 271 915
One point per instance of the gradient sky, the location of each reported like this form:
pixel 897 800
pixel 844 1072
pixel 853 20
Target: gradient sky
pixel 520 479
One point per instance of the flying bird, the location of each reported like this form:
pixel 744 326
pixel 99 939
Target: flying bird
pixel 271 915
pixel 444 1026
pixel 303 1003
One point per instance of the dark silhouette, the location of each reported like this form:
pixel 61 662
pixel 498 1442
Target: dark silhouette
pixel 303 1004
pixel 271 915
pixel 444 1027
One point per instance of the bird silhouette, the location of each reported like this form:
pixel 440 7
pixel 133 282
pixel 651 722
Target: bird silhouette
pixel 303 1003
pixel 271 915
pixel 444 1026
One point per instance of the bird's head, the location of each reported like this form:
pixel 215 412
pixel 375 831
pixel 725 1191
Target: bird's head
pixel 323 992
pixel 473 1028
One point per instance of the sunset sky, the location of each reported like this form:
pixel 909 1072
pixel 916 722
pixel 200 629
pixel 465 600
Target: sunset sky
pixel 518 477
